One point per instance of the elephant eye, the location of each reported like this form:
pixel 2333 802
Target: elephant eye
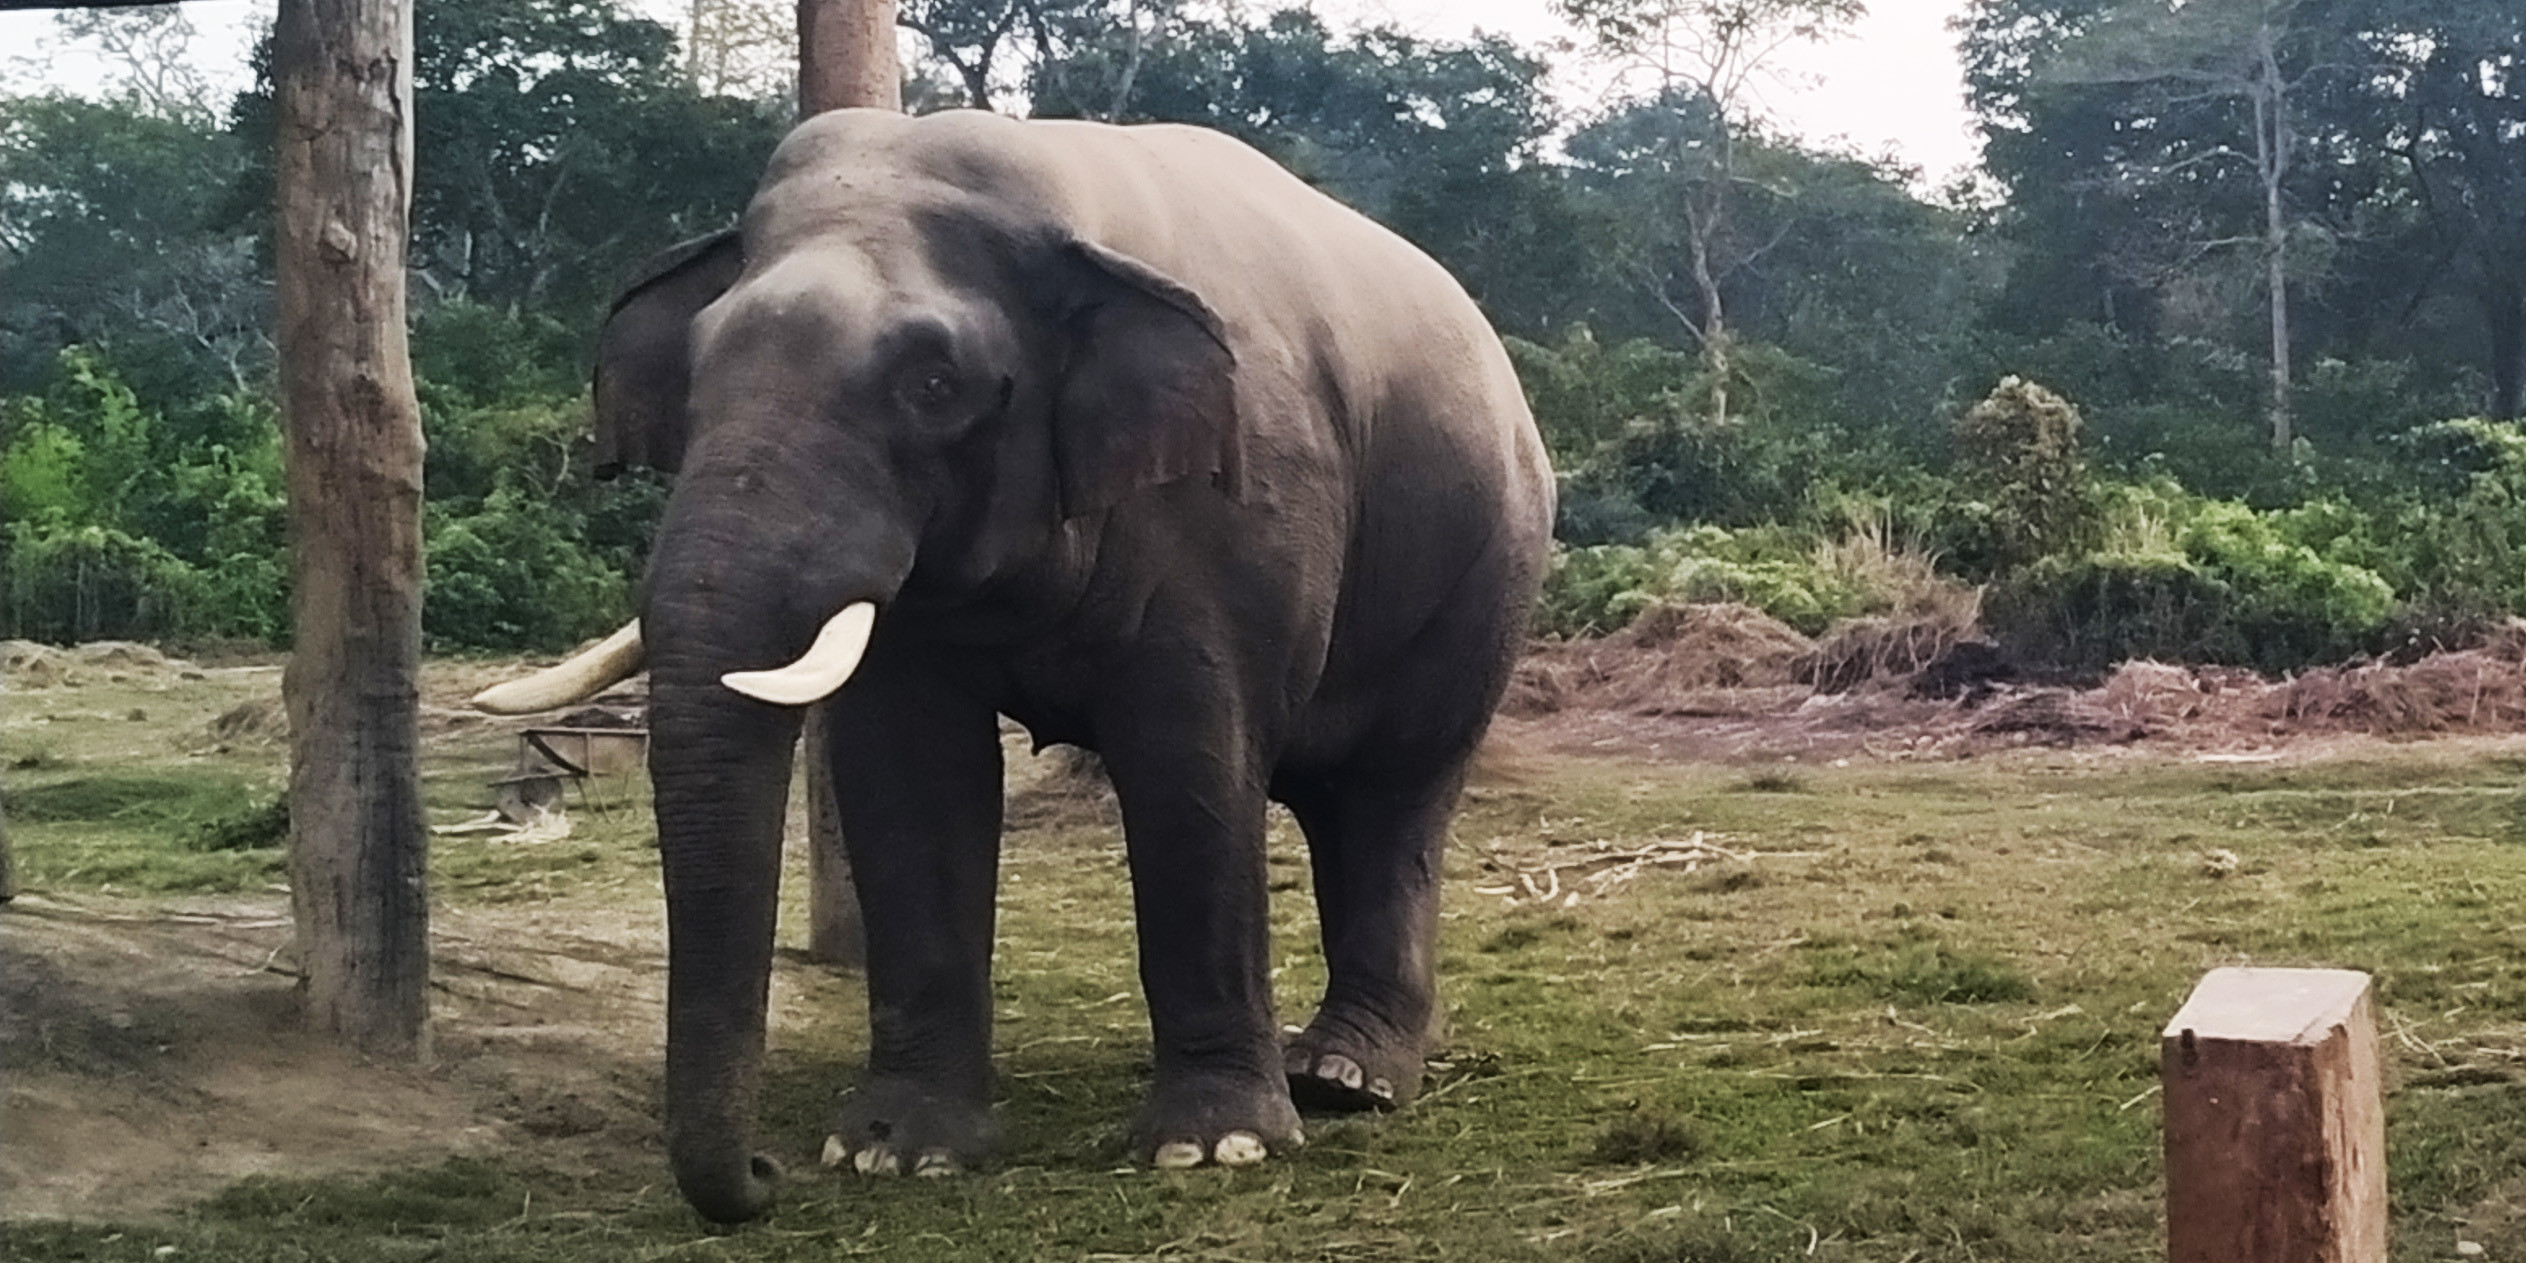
pixel 928 387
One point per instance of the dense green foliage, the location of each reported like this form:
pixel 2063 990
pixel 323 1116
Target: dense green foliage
pixel 2052 381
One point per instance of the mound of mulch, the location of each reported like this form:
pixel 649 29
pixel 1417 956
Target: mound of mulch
pixel 1933 687
pixel 1861 651
pixel 27 664
pixel 261 722
pixel 1672 660
pixel 2470 690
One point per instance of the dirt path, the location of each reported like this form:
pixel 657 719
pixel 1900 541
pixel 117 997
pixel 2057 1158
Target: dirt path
pixel 152 1051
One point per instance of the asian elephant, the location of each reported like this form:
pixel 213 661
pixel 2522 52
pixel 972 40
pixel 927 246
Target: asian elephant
pixel 1130 436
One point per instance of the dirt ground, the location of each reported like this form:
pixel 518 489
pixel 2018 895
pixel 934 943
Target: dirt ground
pixel 152 1053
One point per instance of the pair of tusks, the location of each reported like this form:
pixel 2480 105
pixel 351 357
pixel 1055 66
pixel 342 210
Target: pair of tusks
pixel 826 666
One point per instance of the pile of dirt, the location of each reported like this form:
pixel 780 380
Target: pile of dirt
pixel 25 664
pixel 1672 660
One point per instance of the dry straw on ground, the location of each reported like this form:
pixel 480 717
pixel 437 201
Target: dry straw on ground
pixel 1928 683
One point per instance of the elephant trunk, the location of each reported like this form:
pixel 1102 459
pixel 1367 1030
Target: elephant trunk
pixel 721 767
pixel 733 592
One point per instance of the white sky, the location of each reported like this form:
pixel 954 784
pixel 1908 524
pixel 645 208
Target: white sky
pixel 1891 87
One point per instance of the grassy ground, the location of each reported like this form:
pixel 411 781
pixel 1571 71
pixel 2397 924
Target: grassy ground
pixel 1919 1023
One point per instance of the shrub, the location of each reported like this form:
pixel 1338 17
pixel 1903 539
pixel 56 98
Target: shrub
pixel 2020 446
pixel 2093 611
pixel 1599 589
pixel 2182 579
pixel 67 584
pixel 517 574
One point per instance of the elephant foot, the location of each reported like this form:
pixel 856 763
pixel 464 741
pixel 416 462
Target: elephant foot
pixel 897 1127
pixel 1334 1067
pixel 1224 1120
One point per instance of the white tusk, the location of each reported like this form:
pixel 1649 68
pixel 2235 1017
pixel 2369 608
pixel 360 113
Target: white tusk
pixel 827 665
pixel 608 663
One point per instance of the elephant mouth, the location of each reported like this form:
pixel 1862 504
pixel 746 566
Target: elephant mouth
pixel 818 673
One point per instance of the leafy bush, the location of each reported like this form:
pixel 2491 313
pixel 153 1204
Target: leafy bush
pixel 71 583
pixel 2020 447
pixel 2184 579
pixel 1806 583
pixel 517 574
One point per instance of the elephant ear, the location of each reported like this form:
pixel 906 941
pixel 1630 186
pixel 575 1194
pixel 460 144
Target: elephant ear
pixel 1148 389
pixel 644 358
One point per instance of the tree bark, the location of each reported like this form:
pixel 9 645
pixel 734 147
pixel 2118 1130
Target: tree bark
pixel 846 58
pixel 2273 142
pixel 358 842
pixel 2504 310
pixel 8 863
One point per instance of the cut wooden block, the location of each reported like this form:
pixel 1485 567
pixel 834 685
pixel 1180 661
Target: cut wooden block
pixel 2275 1120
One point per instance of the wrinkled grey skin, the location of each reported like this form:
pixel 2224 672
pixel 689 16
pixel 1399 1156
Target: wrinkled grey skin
pixel 1136 440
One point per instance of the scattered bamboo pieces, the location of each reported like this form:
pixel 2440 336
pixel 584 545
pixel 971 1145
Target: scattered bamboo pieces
pixel 1595 870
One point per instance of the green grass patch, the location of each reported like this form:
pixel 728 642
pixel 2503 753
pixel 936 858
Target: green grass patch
pixel 1918 1022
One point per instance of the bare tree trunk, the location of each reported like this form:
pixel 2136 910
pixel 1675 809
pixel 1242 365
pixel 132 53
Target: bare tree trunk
pixel 358 843
pixel 2272 144
pixel 1703 222
pixel 8 863
pixel 1131 65
pixel 846 58
pixel 2504 310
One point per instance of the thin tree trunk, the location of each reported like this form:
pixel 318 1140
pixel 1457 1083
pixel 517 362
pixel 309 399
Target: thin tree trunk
pixel 2504 310
pixel 8 863
pixel 1703 225
pixel 846 58
pixel 358 844
pixel 1131 67
pixel 2272 143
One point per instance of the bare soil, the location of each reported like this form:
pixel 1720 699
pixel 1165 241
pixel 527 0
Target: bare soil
pixel 153 1052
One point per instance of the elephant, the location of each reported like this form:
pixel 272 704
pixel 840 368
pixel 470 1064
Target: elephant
pixel 1132 437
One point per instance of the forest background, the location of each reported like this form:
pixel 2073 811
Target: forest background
pixel 2218 357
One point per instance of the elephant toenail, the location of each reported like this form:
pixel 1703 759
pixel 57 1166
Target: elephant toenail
pixel 1381 1089
pixel 835 1152
pixel 937 1164
pixel 1341 1070
pixel 1177 1155
pixel 1238 1149
pixel 877 1160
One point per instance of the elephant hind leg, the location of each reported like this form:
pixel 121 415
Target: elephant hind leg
pixel 1376 842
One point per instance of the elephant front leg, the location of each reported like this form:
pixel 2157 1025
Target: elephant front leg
pixel 1193 826
pixel 916 774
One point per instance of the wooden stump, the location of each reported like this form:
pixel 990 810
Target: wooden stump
pixel 2275 1122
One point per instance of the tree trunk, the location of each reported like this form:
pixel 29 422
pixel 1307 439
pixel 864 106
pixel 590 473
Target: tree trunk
pixel 2504 310
pixel 836 933
pixel 2272 143
pixel 8 863
pixel 358 843
pixel 846 58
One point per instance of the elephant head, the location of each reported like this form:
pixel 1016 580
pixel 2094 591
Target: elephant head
pixel 889 389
